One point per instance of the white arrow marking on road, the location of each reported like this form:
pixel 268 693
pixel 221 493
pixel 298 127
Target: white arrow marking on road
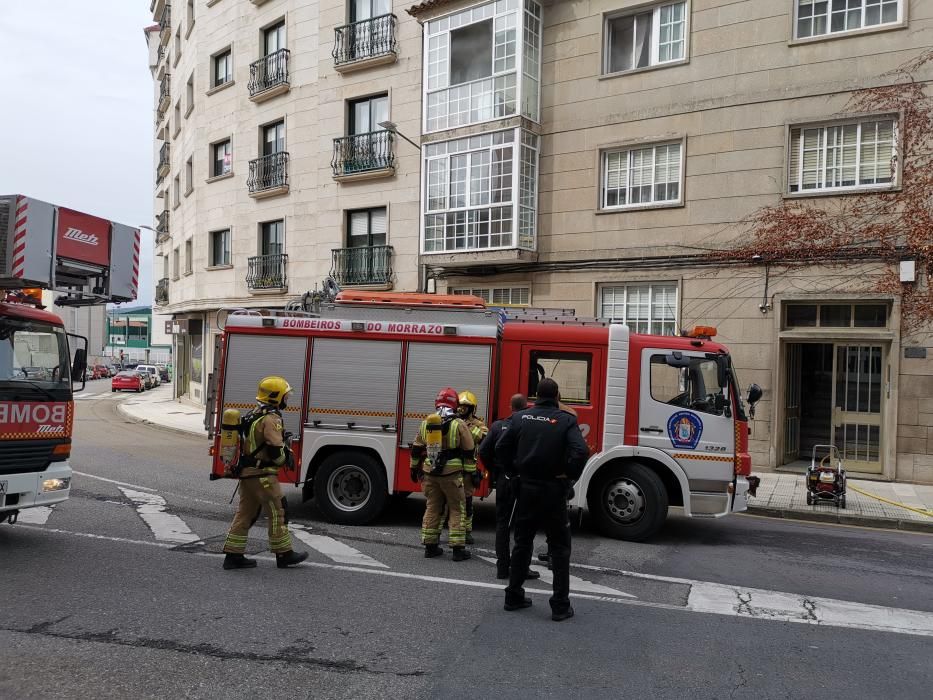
pixel 35 516
pixel 576 583
pixel 337 551
pixel 165 526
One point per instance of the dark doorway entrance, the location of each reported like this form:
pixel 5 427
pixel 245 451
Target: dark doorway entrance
pixel 808 399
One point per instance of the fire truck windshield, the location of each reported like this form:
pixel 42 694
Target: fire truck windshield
pixel 34 361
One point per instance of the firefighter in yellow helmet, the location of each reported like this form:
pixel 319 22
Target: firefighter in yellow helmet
pixel 437 459
pixel 472 475
pixel 265 449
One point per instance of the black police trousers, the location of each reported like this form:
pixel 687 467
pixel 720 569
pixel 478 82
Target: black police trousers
pixel 541 504
pixel 505 502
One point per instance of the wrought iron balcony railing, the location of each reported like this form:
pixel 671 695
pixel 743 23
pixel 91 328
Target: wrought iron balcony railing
pixel 162 230
pixel 268 72
pixel 165 92
pixel 360 266
pixel 268 173
pixel 161 291
pixel 362 152
pixel 165 19
pixel 368 38
pixel 164 156
pixel 267 272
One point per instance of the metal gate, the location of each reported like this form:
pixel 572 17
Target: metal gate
pixel 792 402
pixel 858 390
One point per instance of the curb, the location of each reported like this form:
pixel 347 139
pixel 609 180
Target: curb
pixel 840 519
pixel 145 421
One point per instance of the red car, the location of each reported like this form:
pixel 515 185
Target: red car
pixel 127 380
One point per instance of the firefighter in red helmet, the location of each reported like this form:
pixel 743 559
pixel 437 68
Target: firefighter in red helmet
pixel 438 454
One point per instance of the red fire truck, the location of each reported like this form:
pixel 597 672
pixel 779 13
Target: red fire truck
pixel 664 416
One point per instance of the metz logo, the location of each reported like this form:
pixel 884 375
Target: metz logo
pixel 79 236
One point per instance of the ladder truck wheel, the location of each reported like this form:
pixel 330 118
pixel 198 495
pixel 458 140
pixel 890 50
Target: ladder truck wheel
pixel 350 488
pixel 628 501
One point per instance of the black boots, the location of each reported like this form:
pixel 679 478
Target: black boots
pixel 290 558
pixel 432 550
pixel 521 605
pixel 561 616
pixel 238 561
pixel 469 538
pixel 461 554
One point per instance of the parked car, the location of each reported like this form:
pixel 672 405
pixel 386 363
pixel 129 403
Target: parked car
pixel 146 378
pixel 127 380
pixel 163 374
pixel 154 371
pixel 111 370
pixel 100 372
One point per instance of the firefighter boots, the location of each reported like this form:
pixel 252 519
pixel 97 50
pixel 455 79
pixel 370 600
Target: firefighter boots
pixel 290 558
pixel 469 538
pixel 238 561
pixel 432 550
pixel 461 554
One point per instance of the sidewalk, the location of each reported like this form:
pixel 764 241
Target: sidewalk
pixel 156 407
pixel 785 496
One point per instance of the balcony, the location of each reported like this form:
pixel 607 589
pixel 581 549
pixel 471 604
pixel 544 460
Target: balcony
pixel 267 273
pixel 268 176
pixel 369 266
pixel 364 156
pixel 161 291
pixel 162 231
pixel 164 160
pixel 268 76
pixel 165 24
pixel 369 42
pixel 165 93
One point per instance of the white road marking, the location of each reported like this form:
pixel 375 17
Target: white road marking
pixel 710 598
pixel 35 516
pixel 335 550
pixel 165 526
pixel 112 481
pixel 576 583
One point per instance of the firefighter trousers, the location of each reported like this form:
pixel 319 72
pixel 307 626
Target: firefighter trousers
pixel 257 494
pixel 441 491
pixel 541 504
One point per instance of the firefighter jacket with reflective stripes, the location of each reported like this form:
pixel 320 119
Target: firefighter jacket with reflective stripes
pixel 268 431
pixel 456 442
pixel 478 431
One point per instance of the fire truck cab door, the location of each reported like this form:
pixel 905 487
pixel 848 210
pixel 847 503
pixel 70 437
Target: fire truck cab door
pixel 682 411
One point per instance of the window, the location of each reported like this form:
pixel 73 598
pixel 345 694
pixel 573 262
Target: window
pixel 273 38
pixel 498 296
pixel 189 93
pixel 220 248
pixel 165 266
pixel 189 254
pixel 821 17
pixel 645 308
pixel 836 315
pixel 176 190
pixel 366 114
pixel 571 371
pixel 482 63
pixel 189 176
pixel 273 138
pixel 851 155
pixel 221 158
pixel 175 263
pixel 477 196
pixel 366 228
pixel 642 176
pixel 223 68
pixel 695 386
pixel 367 9
pixel 177 118
pixel 178 44
pixel 190 15
pixel 648 38
pixel 272 237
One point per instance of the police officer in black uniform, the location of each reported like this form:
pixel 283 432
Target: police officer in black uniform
pixel 544 449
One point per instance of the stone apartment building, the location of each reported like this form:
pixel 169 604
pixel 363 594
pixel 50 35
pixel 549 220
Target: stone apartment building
pixel 591 154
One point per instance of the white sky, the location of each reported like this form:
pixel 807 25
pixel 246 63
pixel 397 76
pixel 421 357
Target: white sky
pixel 76 119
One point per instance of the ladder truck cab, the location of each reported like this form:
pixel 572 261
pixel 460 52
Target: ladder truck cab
pixel 664 416
pixel 87 261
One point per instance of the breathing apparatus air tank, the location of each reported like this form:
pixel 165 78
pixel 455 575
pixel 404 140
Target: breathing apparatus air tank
pixel 230 437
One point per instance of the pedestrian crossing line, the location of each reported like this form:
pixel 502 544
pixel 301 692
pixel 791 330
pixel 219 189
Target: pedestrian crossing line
pixel 576 583
pixel 35 516
pixel 165 527
pixel 335 550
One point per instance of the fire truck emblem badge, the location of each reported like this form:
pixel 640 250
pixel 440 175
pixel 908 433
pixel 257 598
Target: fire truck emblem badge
pixel 684 429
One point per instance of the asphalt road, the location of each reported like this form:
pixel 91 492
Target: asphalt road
pixel 118 593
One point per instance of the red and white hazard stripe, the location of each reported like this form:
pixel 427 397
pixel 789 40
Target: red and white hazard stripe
pixel 19 237
pixel 136 263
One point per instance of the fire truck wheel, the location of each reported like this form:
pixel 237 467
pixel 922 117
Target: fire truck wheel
pixel 350 488
pixel 628 501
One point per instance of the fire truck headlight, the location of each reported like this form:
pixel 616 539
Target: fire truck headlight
pixel 55 485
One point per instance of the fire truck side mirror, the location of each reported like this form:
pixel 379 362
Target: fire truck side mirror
pixel 754 394
pixel 79 365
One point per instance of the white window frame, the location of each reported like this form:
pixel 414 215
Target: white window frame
pixel 488 293
pixel 626 286
pixel 824 127
pixel 654 60
pixel 829 33
pixel 628 149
